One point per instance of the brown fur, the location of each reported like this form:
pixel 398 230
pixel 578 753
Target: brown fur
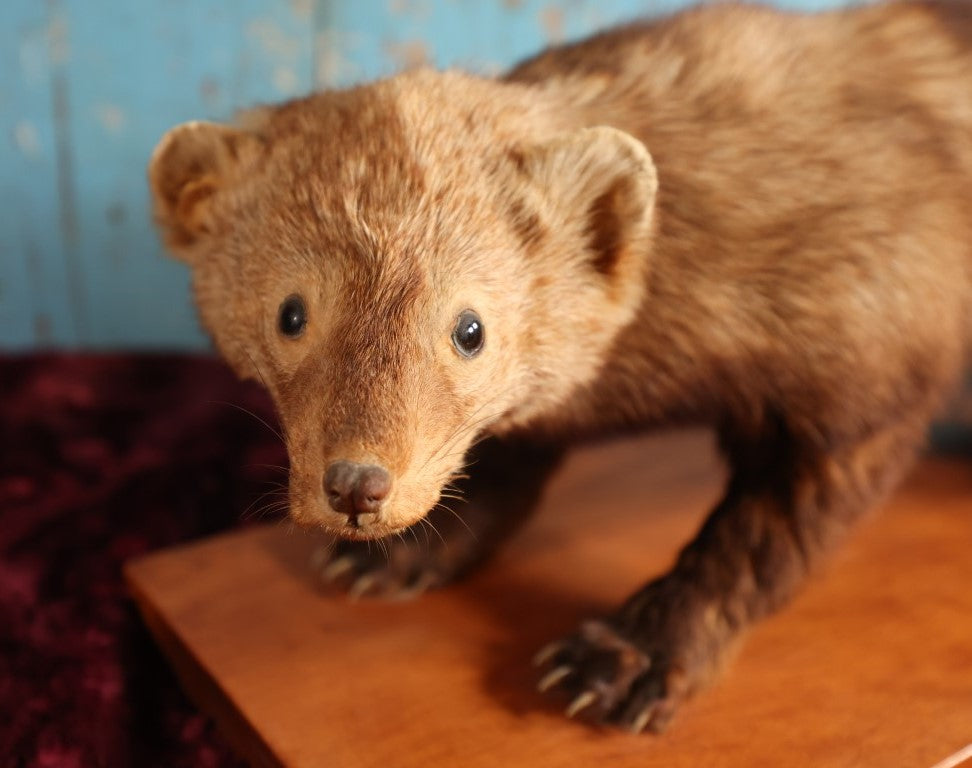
pixel 772 237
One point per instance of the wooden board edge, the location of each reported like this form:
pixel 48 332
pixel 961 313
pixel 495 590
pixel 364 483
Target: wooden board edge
pixel 201 688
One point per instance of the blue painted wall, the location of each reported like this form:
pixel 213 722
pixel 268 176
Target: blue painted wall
pixel 87 87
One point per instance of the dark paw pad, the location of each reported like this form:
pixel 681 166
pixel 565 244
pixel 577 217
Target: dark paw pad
pixel 610 678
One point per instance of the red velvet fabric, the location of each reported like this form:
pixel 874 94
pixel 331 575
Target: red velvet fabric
pixel 103 458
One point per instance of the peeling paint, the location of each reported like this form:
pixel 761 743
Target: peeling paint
pixel 408 54
pixel 33 57
pixel 334 63
pixel 27 139
pixel 302 9
pixel 112 118
pixel 552 21
pixel 67 199
pixel 285 81
pixel 273 41
pixel 416 9
pixel 57 39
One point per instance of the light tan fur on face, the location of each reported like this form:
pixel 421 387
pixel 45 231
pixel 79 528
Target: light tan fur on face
pixel 352 201
pixel 796 242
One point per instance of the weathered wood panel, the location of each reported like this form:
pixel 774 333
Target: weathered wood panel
pixel 87 88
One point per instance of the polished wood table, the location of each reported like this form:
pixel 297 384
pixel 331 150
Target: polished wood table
pixel 870 666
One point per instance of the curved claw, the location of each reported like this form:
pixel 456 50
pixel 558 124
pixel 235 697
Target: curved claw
pixel 553 677
pixel 580 703
pixel 643 718
pixel 547 652
pixel 339 567
pixel 422 584
pixel 319 558
pixel 361 586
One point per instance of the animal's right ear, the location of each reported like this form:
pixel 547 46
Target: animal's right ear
pixel 190 165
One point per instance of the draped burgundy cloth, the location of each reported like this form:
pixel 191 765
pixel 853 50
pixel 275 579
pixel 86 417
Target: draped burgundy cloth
pixel 104 457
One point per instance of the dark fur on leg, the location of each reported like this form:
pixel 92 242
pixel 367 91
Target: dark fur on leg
pixel 785 505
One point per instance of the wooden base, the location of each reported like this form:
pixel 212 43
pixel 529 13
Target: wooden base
pixel 870 666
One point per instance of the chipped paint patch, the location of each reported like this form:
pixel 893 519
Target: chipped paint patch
pixel 57 39
pixel 281 49
pixel 33 56
pixel 413 8
pixel 285 81
pixel 112 118
pixel 273 41
pixel 27 139
pixel 334 62
pixel 302 9
pixel 552 21
pixel 408 54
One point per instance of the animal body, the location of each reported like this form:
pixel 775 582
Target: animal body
pixel 734 216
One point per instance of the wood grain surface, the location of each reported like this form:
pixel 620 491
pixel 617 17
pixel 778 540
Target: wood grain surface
pixel 870 666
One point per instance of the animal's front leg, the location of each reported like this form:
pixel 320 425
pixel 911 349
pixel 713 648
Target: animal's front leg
pixel 506 478
pixel 781 510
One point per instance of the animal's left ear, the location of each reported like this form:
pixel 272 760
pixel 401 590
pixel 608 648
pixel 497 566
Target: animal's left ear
pixel 601 183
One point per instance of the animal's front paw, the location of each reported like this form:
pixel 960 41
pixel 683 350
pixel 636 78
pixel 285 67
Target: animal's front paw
pixel 610 677
pixel 392 569
pixel 435 553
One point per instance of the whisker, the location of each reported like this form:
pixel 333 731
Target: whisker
pixel 435 530
pixel 268 509
pixel 465 425
pixel 251 413
pixel 257 501
pixel 267 466
pixel 275 486
pixel 257 369
pixel 460 519
pixel 460 427
pixel 411 529
pixel 465 452
pixel 453 496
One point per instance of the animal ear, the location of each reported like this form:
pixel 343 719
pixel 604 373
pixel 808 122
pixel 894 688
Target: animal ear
pixel 191 163
pixel 602 181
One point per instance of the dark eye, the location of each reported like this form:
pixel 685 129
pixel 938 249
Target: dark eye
pixel 292 317
pixel 468 334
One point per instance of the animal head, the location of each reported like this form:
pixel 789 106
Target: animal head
pixel 406 266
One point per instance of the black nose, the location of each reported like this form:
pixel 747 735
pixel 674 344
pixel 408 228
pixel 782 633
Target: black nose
pixel 356 489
